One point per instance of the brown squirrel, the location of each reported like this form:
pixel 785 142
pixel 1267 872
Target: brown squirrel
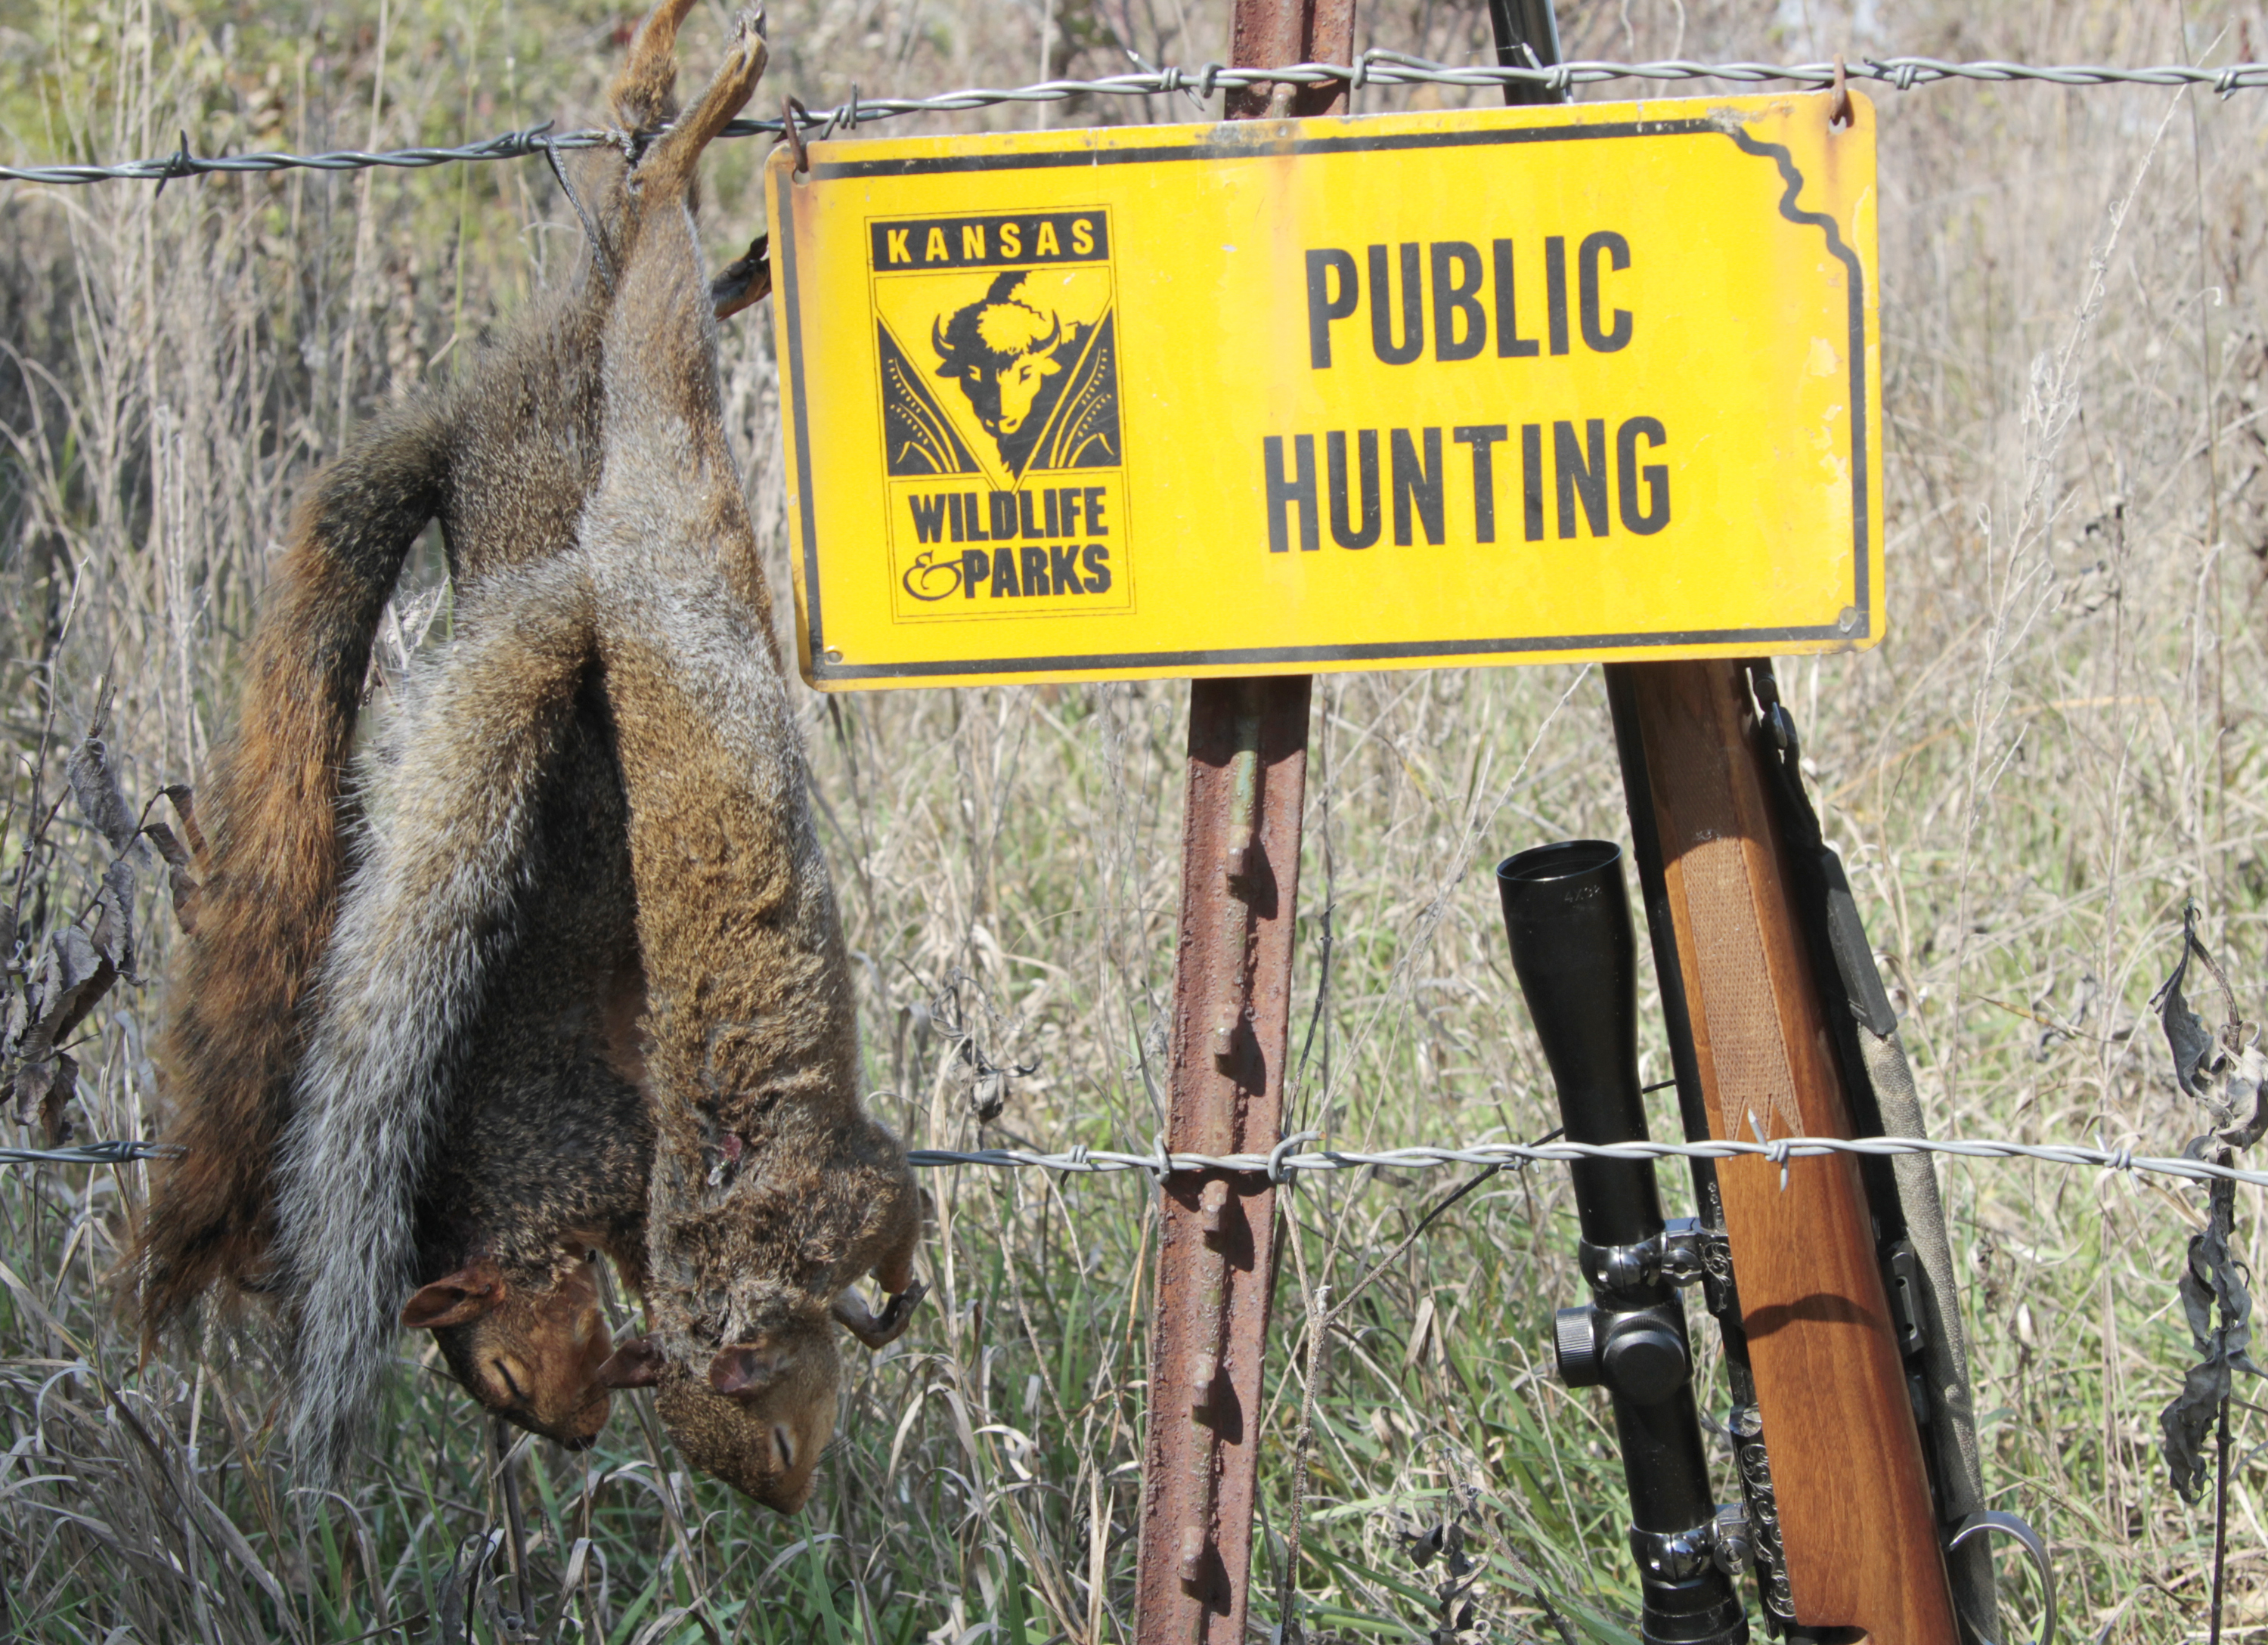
pixel 771 1192
pixel 545 1142
pixel 469 1122
pixel 504 460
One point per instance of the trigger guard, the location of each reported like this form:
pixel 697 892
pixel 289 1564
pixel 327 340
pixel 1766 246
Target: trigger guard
pixel 2035 1549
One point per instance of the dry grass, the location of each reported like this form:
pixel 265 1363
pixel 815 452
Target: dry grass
pixel 2062 741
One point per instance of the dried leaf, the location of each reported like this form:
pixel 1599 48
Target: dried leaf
pixel 2225 1072
pixel 95 787
pixel 2247 1084
pixel 2203 1063
pixel 2188 1421
pixel 2190 1418
pixel 61 1088
pixel 183 800
pixel 186 892
pixel 169 845
pixel 73 974
pixel 2191 1043
pixel 2212 1283
pixel 114 919
pixel 184 888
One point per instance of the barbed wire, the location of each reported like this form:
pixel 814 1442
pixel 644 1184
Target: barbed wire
pixel 92 1154
pixel 1372 68
pixel 1283 1162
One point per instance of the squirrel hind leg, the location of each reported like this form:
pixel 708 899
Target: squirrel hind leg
pixel 644 92
pixel 669 166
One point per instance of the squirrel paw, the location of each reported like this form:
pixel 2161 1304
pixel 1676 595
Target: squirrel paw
pixel 878 1331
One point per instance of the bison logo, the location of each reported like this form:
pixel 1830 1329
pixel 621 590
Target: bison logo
pixel 1025 364
pixel 1005 353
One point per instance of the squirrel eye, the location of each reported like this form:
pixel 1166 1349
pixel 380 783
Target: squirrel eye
pixel 784 1445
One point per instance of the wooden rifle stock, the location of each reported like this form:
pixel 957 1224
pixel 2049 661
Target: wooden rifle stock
pixel 1857 1526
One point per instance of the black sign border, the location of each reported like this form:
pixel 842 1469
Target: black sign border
pixel 1261 140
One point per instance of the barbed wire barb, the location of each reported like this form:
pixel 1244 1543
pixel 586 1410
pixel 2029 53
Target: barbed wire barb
pixel 1376 67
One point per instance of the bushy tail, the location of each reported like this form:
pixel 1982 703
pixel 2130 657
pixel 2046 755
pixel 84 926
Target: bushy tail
pixel 429 917
pixel 266 909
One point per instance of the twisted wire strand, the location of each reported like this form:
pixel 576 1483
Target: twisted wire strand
pixel 1778 1150
pixel 92 1153
pixel 1372 68
pixel 1281 1161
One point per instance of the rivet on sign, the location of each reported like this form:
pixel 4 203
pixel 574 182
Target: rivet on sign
pixel 1839 112
pixel 833 654
pixel 1847 620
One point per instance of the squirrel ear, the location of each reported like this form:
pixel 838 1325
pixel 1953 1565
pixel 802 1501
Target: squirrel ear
pixel 635 1364
pixel 457 1299
pixel 741 1371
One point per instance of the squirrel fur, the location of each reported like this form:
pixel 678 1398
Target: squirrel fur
pixel 545 1142
pixel 503 459
pixel 771 1192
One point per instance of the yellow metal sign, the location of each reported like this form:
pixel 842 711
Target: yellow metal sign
pixel 1403 391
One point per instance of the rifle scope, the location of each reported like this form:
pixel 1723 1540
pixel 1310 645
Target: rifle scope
pixel 1567 914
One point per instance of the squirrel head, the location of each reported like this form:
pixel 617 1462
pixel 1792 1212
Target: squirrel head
pixel 530 1352
pixel 757 1413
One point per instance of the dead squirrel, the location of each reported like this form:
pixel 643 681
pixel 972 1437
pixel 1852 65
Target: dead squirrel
pixel 772 1192
pixel 504 460
pixel 545 1143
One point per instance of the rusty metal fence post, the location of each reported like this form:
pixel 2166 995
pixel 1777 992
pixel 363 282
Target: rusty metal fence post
pixel 1247 773
pixel 1216 1258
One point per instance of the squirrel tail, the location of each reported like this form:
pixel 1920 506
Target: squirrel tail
pixel 425 923
pixel 273 871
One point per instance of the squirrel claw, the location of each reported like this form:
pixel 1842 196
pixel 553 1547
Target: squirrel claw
pixel 879 1330
pixel 744 282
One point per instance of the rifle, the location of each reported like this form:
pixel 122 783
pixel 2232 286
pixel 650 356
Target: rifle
pixel 1831 1281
